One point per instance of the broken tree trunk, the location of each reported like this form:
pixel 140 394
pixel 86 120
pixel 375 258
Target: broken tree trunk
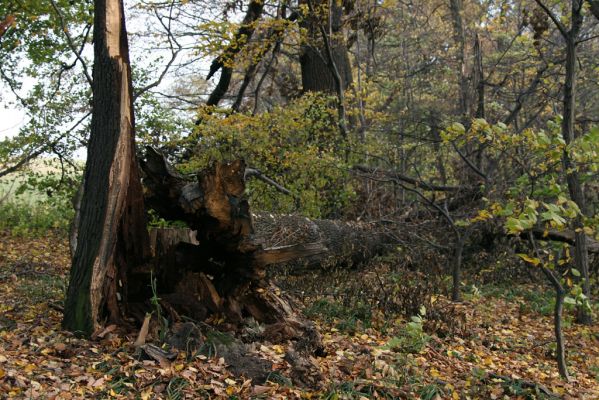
pixel 219 271
pixel 112 228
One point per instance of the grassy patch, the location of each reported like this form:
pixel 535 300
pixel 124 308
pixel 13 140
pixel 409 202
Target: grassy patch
pixel 37 199
pixel 345 318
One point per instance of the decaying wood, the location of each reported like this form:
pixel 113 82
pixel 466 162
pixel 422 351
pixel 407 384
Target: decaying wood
pixel 348 243
pixel 219 270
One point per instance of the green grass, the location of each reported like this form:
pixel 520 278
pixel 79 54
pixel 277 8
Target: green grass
pixel 36 200
pixel 346 319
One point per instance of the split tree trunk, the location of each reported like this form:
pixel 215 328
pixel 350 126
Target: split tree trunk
pixel 112 231
pixel 220 271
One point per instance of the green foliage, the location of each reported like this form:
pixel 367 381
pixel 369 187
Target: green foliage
pixel 298 146
pixel 38 199
pixel 154 220
pixel 345 318
pixel 412 338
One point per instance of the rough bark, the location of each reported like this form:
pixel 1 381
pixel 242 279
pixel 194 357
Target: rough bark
pixel 459 36
pixel 317 72
pixel 112 229
pixel 348 244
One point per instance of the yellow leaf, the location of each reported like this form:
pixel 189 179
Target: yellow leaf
pixel 278 349
pixel 532 260
pixel 29 367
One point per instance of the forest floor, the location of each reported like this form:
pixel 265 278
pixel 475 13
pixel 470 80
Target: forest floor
pixel 500 346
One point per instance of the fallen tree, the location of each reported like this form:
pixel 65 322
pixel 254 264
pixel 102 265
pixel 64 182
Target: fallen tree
pixel 217 266
pixel 220 270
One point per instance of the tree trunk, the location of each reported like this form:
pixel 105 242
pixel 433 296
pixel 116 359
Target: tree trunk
pixel 221 269
pixel 560 351
pixel 112 233
pixel 456 270
pixel 317 74
pixel 348 244
pixel 479 78
pixel 225 60
pixel 581 257
pixel 459 37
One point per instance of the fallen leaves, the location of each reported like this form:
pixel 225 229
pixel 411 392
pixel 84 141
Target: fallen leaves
pixel 495 339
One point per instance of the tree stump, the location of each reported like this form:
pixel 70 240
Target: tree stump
pixel 218 273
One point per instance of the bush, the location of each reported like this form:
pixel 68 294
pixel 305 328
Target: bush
pixel 37 200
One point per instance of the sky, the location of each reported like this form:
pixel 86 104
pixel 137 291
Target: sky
pixel 11 117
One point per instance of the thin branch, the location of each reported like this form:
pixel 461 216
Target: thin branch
pixel 70 42
pixel 418 183
pixel 174 53
pixel 469 163
pixel 562 29
pixel 256 173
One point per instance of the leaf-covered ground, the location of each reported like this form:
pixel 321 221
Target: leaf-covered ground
pixel 499 346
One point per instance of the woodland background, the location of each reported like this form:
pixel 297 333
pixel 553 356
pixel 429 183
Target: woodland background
pixel 462 134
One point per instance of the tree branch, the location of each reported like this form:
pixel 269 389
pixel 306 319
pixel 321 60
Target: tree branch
pixel 562 29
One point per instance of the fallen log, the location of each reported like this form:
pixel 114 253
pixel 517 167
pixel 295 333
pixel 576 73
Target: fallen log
pixel 566 236
pixel 348 243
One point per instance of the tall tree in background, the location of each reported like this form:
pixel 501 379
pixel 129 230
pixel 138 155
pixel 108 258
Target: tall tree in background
pixel 317 55
pixel 112 228
pixel 459 37
pixel 575 187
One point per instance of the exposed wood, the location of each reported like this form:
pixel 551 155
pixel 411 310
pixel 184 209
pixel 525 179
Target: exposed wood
pixel 221 269
pixel 112 234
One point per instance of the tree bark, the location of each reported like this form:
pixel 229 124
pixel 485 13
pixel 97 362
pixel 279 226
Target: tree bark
pixel 317 74
pixel 348 244
pixel 459 37
pixel 581 257
pixel 221 268
pixel 112 230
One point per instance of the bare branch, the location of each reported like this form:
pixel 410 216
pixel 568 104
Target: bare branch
pixel 70 42
pixel 562 29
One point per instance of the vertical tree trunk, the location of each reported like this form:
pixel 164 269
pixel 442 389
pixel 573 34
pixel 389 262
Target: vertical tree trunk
pixel 479 78
pixel 560 351
pixel 112 228
pixel 459 36
pixel 317 76
pixel 581 256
